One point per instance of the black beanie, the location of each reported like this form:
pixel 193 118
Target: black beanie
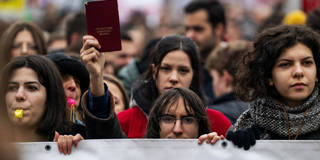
pixel 73 67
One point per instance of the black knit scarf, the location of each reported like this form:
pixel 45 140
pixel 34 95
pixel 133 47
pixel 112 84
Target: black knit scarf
pixel 267 114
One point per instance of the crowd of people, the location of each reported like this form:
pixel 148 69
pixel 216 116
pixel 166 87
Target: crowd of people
pixel 198 85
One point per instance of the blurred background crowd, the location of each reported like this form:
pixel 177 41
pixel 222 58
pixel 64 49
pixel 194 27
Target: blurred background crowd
pixel 160 16
pixel 58 26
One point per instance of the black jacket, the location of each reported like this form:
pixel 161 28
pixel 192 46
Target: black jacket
pixel 95 127
pixel 229 106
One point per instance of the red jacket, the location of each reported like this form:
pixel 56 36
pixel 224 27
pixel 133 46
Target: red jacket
pixel 134 122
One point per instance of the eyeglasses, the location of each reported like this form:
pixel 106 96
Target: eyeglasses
pixel 171 120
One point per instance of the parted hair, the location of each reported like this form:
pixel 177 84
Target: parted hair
pixel 173 43
pixel 165 45
pixel 8 37
pixel 54 117
pixel 256 67
pixel 192 103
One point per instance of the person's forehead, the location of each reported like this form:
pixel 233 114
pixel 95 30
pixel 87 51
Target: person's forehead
pixel 114 89
pixel 24 35
pixel 128 47
pixel 177 108
pixel 67 77
pixel 24 74
pixel 298 50
pixel 177 58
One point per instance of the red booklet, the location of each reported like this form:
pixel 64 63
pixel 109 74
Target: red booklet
pixel 103 24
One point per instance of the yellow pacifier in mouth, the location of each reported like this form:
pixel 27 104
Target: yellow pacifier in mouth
pixel 18 113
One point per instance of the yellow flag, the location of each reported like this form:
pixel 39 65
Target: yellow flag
pixel 12 5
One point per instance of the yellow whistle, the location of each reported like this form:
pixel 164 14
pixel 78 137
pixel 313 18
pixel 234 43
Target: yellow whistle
pixel 18 113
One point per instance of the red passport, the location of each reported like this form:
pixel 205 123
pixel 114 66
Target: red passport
pixel 103 23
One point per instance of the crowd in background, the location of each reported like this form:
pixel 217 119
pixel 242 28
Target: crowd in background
pixel 244 71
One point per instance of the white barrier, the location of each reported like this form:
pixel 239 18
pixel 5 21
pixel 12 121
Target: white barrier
pixel 155 149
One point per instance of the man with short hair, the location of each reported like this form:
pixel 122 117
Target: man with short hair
pixel 205 24
pixel 76 27
pixel 122 58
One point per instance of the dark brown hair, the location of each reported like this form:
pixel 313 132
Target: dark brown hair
pixel 313 20
pixel 192 103
pixel 54 117
pixel 214 9
pixel 256 66
pixel 173 43
pixel 10 34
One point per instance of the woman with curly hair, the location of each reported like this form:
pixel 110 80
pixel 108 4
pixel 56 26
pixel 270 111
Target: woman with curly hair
pixel 280 78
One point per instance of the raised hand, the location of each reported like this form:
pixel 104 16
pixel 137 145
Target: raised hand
pixel 90 56
pixel 94 62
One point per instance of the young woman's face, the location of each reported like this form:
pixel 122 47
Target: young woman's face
pixel 175 71
pixel 23 44
pixel 117 97
pixel 177 123
pixel 294 74
pixel 27 93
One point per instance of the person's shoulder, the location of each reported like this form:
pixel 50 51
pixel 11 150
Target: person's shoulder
pixel 214 112
pixel 130 112
pixel 214 115
pixel 230 106
pixel 130 116
pixel 219 122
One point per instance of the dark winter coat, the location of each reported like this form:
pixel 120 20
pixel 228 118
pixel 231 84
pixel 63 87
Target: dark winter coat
pixel 229 106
